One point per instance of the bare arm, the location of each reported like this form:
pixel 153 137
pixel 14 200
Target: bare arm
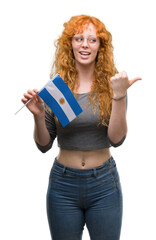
pixel 118 125
pixel 117 129
pixel 36 107
pixel 41 134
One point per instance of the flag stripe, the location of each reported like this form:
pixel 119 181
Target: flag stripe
pixel 61 85
pixel 57 95
pixel 53 104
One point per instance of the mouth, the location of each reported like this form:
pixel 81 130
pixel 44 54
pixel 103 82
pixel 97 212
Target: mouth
pixel 85 53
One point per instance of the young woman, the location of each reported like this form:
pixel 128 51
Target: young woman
pixel 84 185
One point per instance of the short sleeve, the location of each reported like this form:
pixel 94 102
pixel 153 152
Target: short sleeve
pixel 51 127
pixel 118 143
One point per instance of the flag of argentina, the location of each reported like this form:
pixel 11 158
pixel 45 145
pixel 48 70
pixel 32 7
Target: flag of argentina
pixel 57 95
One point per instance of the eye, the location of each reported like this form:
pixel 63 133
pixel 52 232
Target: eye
pixel 78 39
pixel 92 40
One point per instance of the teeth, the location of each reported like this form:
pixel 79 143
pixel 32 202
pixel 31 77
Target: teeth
pixel 84 53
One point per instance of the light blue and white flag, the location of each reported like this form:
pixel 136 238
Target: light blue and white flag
pixel 57 95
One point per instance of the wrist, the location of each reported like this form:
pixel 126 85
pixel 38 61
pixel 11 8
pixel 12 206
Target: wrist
pixel 39 117
pixel 118 99
pixel 119 96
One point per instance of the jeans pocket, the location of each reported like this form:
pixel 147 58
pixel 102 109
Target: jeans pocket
pixel 103 177
pixel 55 175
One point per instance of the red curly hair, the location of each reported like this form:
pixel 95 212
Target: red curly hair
pixel 64 63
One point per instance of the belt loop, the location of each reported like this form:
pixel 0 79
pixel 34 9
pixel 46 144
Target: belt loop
pixel 64 169
pixel 95 172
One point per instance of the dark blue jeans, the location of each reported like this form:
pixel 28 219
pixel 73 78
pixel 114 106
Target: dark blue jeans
pixel 77 197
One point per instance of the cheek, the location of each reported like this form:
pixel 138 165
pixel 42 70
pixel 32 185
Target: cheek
pixel 95 52
pixel 75 53
pixel 97 48
pixel 75 50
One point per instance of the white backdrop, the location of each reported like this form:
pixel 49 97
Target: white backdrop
pixel 28 31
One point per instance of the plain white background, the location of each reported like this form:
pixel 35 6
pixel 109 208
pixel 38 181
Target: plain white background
pixel 28 31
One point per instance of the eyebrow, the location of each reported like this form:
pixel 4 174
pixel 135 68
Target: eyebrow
pixel 80 35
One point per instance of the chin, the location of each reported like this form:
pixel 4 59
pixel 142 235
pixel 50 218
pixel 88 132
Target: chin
pixel 85 62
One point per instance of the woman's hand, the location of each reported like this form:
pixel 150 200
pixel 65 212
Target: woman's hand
pixel 120 83
pixel 36 105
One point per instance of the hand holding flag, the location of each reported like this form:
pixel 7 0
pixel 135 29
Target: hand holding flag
pixel 58 97
pixel 33 102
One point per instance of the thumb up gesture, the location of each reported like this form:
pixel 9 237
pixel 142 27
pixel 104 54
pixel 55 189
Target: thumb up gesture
pixel 120 83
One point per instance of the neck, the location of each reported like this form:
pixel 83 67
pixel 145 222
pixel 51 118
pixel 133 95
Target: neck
pixel 85 72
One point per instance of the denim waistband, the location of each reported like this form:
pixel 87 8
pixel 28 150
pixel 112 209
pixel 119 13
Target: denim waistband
pixel 84 172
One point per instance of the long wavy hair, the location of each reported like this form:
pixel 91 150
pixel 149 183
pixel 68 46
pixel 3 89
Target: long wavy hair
pixel 64 64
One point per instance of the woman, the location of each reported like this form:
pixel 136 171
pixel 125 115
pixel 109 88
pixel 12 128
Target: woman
pixel 84 185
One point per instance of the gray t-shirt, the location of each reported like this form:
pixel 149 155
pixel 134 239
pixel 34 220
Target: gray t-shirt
pixel 82 133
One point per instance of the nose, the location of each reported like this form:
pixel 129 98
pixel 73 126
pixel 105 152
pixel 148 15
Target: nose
pixel 85 43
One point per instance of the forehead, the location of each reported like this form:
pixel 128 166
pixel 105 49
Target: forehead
pixel 87 29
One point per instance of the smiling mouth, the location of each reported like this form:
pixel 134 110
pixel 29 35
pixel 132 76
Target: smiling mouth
pixel 85 53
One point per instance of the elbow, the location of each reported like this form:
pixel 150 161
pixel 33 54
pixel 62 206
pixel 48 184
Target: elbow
pixel 118 143
pixel 45 148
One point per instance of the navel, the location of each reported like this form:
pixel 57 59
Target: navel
pixel 83 162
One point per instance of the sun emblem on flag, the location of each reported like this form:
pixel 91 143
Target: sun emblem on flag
pixel 61 100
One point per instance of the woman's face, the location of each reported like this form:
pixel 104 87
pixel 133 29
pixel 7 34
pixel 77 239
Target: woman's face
pixel 86 45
